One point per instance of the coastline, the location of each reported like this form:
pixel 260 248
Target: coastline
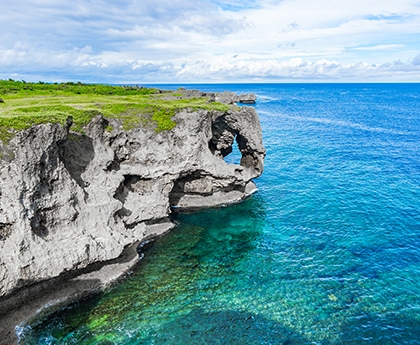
pixel 75 205
pixel 30 302
pixel 56 293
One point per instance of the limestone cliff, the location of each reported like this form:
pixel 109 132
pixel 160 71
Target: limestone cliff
pixel 69 200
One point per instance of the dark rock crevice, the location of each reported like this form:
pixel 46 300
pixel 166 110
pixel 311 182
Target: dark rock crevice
pixel 134 193
pixel 133 184
pixel 5 230
pixel 76 155
pixel 114 165
pixel 40 222
pixel 196 182
pixel 200 184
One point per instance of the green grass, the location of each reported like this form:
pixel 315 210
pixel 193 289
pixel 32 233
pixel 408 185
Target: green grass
pixel 21 87
pixel 26 104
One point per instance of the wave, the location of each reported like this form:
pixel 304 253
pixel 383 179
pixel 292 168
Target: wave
pixel 342 123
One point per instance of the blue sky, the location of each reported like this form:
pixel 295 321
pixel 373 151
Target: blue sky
pixel 181 41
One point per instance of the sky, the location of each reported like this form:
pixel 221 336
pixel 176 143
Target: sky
pixel 212 41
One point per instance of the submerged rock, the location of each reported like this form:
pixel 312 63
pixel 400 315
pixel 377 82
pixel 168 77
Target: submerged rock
pixel 69 200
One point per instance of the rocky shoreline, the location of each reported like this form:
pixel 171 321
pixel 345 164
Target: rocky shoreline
pixel 74 207
pixel 48 295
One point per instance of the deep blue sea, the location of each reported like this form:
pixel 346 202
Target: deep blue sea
pixel 327 252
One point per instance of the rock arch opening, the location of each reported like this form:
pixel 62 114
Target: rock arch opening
pixel 233 140
pixel 225 141
pixel 235 155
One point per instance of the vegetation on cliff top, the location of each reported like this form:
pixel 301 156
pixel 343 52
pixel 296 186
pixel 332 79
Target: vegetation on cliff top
pixel 23 105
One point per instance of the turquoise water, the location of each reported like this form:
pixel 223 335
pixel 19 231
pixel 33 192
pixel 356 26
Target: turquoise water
pixel 327 252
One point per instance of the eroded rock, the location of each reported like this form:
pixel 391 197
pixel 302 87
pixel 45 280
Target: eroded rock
pixel 69 200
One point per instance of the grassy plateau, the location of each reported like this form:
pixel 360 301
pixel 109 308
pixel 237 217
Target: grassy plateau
pixel 23 105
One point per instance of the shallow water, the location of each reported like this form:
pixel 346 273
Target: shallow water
pixel 325 253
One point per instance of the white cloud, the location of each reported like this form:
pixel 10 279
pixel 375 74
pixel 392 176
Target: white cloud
pixel 179 40
pixel 298 69
pixel 416 61
pixel 381 47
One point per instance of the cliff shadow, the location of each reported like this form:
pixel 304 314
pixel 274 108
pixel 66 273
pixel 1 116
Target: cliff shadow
pixel 76 155
pixel 222 237
pixel 226 327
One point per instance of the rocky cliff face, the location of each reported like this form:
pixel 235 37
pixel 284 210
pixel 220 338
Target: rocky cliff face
pixel 68 200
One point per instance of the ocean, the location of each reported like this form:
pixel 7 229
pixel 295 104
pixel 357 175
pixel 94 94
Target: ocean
pixel 326 252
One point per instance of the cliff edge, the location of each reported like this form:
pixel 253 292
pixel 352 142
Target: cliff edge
pixel 69 200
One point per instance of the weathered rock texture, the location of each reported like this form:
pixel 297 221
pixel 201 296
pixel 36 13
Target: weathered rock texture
pixel 67 200
pixel 231 98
